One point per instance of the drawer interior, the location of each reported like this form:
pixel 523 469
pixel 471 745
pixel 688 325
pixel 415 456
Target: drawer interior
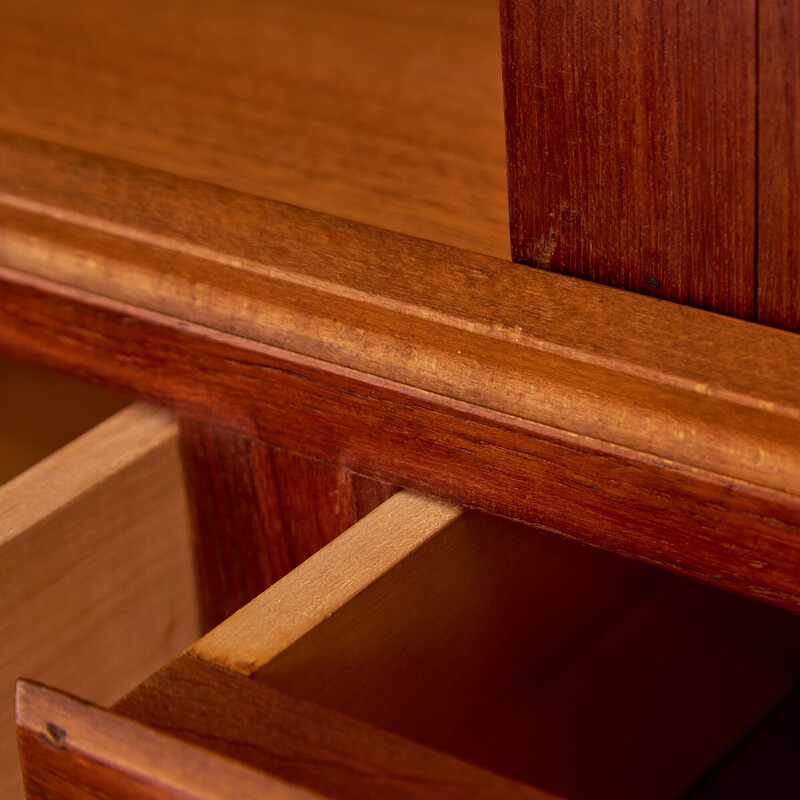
pixel 567 668
pixel 40 411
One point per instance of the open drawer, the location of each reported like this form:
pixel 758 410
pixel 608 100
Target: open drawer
pixel 96 576
pixel 435 652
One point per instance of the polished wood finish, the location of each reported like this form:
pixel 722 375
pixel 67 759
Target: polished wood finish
pixel 388 113
pixel 260 511
pixel 651 429
pixel 71 750
pixel 779 164
pixel 631 133
pixel 604 495
pixel 695 388
pixel 95 567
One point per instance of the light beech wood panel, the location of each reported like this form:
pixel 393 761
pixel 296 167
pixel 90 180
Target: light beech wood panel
pixel 72 750
pixel 389 112
pixel 95 566
pixel 41 411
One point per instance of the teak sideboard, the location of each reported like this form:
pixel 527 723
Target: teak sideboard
pixel 464 456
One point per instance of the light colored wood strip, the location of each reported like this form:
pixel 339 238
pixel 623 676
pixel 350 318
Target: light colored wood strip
pixel 325 582
pixel 95 565
pixel 679 384
pixel 70 749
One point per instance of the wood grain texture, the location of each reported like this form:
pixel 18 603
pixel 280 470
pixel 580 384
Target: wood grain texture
pixel 260 511
pixel 631 130
pixel 41 411
pixel 694 388
pixel 300 742
pixel 566 668
pixel 95 566
pixel 713 526
pixel 778 164
pixel 71 750
pixel 388 113
pixel 326 581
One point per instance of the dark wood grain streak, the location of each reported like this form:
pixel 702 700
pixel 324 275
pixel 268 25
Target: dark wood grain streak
pixel 779 164
pixel 631 144
pixel 303 743
pixel 72 750
pixel 714 527
pixel 260 511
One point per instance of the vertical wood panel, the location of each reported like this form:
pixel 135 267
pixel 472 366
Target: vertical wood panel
pixel 260 511
pixel 631 141
pixel 779 164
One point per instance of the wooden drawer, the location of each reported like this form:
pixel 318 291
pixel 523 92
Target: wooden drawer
pixel 95 566
pixel 435 652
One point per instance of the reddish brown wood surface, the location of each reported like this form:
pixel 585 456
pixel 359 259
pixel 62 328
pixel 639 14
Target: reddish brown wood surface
pixel 300 742
pixel 698 389
pixel 260 511
pixel 72 750
pixel 718 528
pixel 642 426
pixel 631 133
pixel 779 164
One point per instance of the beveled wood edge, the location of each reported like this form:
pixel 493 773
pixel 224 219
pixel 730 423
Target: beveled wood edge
pixel 712 526
pixel 325 582
pixel 67 742
pixel 696 388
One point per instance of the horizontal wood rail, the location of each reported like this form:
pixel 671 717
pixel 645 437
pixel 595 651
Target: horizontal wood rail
pixel 650 429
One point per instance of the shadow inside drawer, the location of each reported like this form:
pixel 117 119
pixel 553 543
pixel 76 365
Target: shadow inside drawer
pixel 41 411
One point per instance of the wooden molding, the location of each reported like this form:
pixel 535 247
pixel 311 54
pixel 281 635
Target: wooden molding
pixel 644 427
